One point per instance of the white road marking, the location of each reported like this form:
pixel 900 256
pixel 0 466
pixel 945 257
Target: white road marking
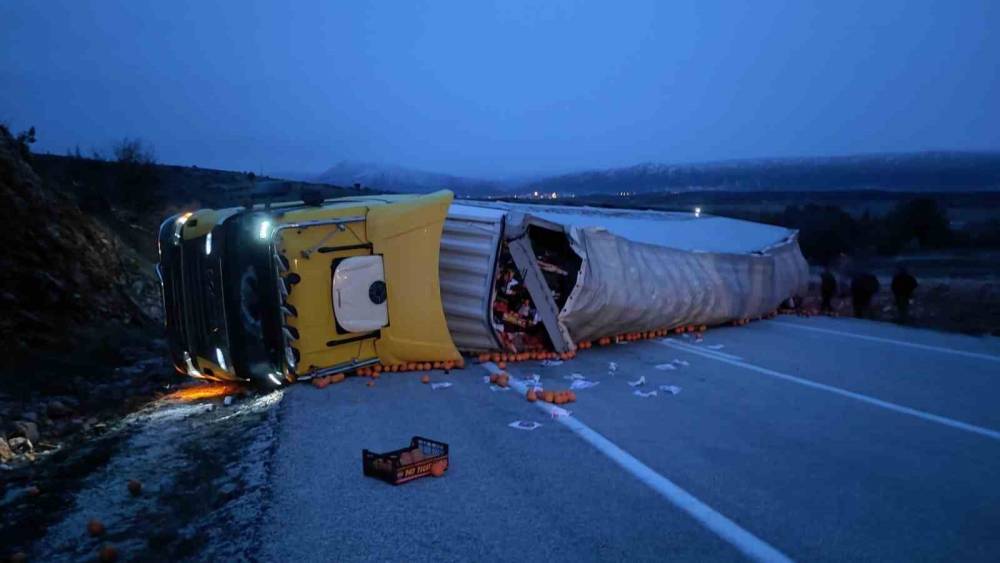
pixel 748 544
pixel 687 346
pixel 882 340
pixel 845 393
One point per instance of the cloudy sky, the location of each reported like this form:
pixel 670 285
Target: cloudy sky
pixel 500 89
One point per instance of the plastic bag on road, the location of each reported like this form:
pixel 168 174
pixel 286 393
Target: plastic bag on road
pixel 551 363
pixel 441 385
pixel 524 425
pixel 638 382
pixel 574 376
pixel 666 367
pixel 644 394
pixel 672 389
pixel 583 384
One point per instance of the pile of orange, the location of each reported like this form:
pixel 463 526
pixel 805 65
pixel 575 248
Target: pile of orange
pixel 500 379
pixel 501 359
pixel 554 397
pixel 377 369
pixel 322 382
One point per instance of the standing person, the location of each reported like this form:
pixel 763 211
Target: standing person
pixel 864 286
pixel 903 286
pixel 827 289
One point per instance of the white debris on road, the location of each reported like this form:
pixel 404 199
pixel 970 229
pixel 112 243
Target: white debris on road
pixel 442 385
pixel 551 363
pixel 672 389
pixel 715 347
pixel 644 394
pixel 574 376
pixel 524 424
pixel 666 367
pixel 583 384
pixel 638 382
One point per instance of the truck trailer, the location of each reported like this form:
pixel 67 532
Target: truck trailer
pixel 273 293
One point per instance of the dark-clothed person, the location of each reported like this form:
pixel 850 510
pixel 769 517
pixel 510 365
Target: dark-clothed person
pixel 863 288
pixel 903 286
pixel 827 289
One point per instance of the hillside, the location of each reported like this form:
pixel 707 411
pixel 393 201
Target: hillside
pixel 61 269
pixel 910 172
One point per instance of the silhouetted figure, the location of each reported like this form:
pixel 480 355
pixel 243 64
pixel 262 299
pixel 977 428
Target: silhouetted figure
pixel 863 288
pixel 827 289
pixel 903 286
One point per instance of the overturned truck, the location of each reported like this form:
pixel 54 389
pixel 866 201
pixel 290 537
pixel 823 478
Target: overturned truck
pixel 275 293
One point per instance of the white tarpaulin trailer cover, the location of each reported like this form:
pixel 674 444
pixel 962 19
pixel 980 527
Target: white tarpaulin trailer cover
pixel 645 270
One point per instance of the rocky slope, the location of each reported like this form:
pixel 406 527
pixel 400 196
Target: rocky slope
pixel 60 269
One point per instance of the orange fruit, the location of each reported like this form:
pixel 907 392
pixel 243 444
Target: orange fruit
pixel 438 468
pixel 95 528
pixel 531 395
pixel 108 554
pixel 134 487
pixel 548 396
pixel 502 365
pixel 484 357
pixel 336 378
pixel 375 375
pixel 425 379
pixel 493 377
pixel 571 395
pixel 371 383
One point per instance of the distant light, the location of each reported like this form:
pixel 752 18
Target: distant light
pixel 536 194
pixel 274 379
pixel 265 230
pixel 222 359
pixel 554 195
pixel 697 212
pixel 208 243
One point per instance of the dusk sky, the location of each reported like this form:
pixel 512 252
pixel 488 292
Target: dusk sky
pixel 501 89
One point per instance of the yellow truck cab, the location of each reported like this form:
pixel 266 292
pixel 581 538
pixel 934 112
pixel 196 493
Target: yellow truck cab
pixel 268 294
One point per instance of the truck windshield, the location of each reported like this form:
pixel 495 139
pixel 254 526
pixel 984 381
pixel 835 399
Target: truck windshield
pixel 252 301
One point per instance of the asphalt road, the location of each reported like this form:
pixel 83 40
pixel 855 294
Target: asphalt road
pixel 811 439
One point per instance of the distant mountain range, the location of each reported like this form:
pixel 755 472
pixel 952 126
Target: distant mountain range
pixel 923 171
pixel 399 179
